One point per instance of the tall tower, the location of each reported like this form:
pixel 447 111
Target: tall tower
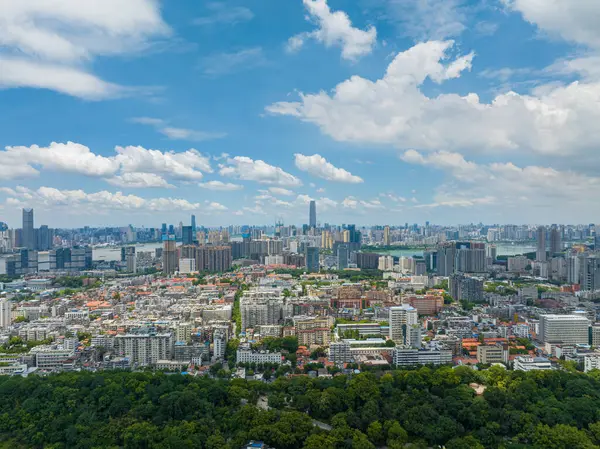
pixel 386 236
pixel 555 241
pixel 193 224
pixel 312 214
pixel 28 234
pixel 540 254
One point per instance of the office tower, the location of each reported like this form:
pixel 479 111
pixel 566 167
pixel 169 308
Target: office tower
pixel 402 320
pixel 171 230
pixel 169 256
pixel 187 235
pixel 343 255
pixel 44 238
pixel 590 273
pixel 555 241
pixel 312 214
pixel 540 254
pixel 573 269
pixel 5 313
pixel 163 229
pixel 386 236
pixel 463 288
pixel 28 236
pixel 446 255
pixel 193 224
pixel 312 259
pixel 215 259
pixel 130 259
pixel 565 329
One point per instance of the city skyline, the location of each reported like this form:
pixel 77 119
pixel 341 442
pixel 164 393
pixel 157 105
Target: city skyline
pixel 450 122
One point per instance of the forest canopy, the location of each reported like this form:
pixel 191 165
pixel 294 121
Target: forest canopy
pixel 406 408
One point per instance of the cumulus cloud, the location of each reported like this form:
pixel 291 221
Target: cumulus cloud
pixel 280 191
pixel 335 29
pixel 174 133
pixel 246 169
pixel 132 166
pixel 351 202
pixel 574 21
pixel 214 206
pixel 79 200
pixel 533 189
pixel 554 119
pixel 220 185
pixel 49 44
pixel 318 166
pixel 139 180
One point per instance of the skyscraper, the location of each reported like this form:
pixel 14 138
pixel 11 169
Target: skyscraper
pixel 193 223
pixel 402 320
pixel 312 259
pixel 540 254
pixel 169 256
pixel 187 235
pixel 28 232
pixel 343 255
pixel 386 236
pixel 5 313
pixel 312 214
pixel 555 241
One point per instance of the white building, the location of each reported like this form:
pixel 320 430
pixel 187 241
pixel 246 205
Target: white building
pixel 50 358
pixel 526 363
pixel 566 329
pixel 144 348
pixel 246 355
pixel 385 263
pixel 406 356
pixel 591 361
pixel 339 352
pixel 187 266
pixel 403 319
pixel 5 313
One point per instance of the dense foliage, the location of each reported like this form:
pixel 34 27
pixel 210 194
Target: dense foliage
pixel 424 407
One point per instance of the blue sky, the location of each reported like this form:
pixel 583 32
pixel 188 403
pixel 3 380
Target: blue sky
pixel 383 111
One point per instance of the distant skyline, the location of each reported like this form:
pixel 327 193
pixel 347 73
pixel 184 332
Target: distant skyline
pixel 242 112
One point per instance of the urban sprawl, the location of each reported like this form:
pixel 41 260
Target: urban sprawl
pixel 316 300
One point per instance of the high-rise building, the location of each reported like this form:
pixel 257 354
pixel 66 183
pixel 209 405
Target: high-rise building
pixel 187 235
pixel 312 214
pixel 540 254
pixel 367 261
pixel 5 313
pixel 44 238
pixel 555 241
pixel 193 224
pixel 565 329
pixel 215 259
pixel 144 348
pixel 386 236
pixel 463 288
pixel 28 233
pixel 403 322
pixel 312 259
pixel 169 256
pixel 590 273
pixel 343 255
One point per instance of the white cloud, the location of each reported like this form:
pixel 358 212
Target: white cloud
pixel 225 63
pixel 48 44
pixel 214 206
pixel 139 180
pixel 539 192
pixel 393 197
pixel 428 19
pixel 575 21
pixel 184 165
pixel 320 190
pixel 220 185
pixel 280 191
pixel 177 133
pixel 131 166
pixel 81 201
pixel 318 166
pixel 351 202
pixel 246 169
pixel 221 13
pixel 335 29
pixel 554 119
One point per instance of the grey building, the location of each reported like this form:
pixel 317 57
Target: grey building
pixel 28 233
